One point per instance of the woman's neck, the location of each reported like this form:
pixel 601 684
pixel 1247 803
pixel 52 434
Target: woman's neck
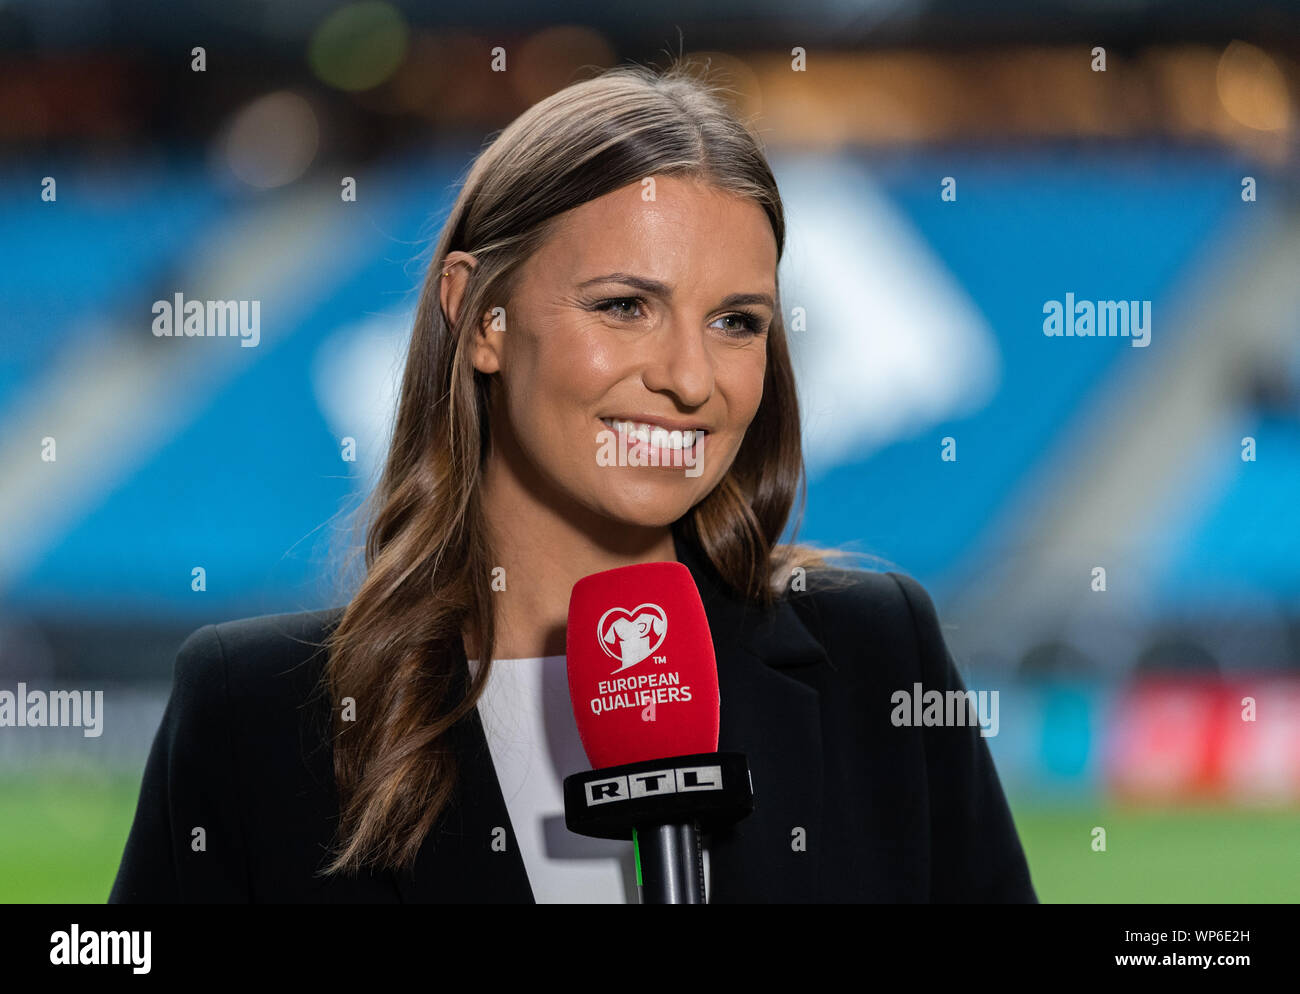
pixel 544 551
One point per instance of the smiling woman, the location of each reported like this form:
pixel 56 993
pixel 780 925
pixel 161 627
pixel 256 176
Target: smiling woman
pixel 608 271
pixel 610 266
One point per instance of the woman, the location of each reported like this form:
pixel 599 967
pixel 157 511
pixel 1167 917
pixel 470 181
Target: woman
pixel 610 266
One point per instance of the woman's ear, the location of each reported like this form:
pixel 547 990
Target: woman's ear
pixel 486 350
pixel 456 269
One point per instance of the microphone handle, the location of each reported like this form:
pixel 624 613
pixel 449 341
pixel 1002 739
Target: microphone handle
pixel 672 866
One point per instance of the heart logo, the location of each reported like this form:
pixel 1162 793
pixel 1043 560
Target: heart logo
pixel 631 636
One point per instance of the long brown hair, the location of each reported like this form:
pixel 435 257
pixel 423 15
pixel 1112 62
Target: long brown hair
pixel 397 650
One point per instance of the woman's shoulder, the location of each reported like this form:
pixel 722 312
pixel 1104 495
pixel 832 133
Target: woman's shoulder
pixel 245 658
pixel 845 594
pixel 888 614
pixel 834 582
pixel 271 636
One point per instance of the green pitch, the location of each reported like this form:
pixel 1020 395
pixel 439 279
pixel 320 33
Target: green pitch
pixel 61 838
pixel 1162 855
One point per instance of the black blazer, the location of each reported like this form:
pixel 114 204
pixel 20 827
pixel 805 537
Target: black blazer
pixel 889 814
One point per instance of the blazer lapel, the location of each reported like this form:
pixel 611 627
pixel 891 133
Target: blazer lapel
pixel 774 718
pixel 458 864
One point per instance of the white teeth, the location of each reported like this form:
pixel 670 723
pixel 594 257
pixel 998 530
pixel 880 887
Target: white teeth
pixel 655 435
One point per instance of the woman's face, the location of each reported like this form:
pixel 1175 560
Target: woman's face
pixel 641 317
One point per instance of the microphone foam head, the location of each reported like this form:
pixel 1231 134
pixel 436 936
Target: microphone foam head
pixel 643 679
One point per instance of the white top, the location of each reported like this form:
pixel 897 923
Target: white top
pixel 534 742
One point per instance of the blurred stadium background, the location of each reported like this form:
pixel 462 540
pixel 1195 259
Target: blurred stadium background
pixel 924 321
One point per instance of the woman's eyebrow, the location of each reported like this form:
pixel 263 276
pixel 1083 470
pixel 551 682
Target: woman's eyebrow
pixel 740 299
pixel 640 282
pixel 663 290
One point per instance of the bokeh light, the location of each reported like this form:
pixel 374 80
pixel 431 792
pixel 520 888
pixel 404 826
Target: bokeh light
pixel 272 140
pixel 359 46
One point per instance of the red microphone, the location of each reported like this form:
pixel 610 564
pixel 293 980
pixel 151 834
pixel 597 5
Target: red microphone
pixel 643 682
pixel 642 676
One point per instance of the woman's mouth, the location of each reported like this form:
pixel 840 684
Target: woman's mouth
pixel 656 436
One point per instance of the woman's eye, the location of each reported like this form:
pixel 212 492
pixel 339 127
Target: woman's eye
pixel 617 305
pixel 743 324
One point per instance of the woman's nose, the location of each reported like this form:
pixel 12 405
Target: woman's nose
pixel 679 363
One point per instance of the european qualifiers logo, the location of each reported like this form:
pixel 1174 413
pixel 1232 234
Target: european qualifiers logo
pixel 181 318
pixel 629 637
pixel 1099 319
pixel 631 631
